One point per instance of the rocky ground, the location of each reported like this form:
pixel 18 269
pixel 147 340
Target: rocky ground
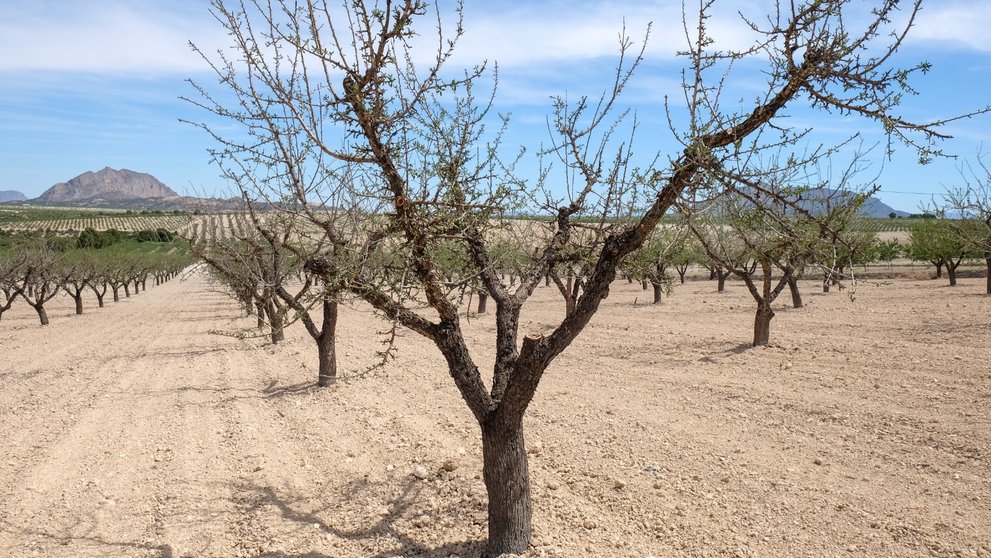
pixel 139 430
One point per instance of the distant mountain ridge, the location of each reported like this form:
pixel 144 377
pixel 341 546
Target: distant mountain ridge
pixel 106 186
pixel 11 195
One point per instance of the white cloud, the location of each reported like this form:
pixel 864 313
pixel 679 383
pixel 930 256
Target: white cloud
pixel 91 36
pixel 964 23
pixel 526 33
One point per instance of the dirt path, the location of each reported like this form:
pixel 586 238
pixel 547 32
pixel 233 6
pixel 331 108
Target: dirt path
pixel 863 430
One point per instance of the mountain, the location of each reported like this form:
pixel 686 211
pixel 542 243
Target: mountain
pixel 11 195
pixel 877 209
pixel 107 186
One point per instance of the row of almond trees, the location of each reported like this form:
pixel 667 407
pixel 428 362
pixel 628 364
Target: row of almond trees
pixel 35 271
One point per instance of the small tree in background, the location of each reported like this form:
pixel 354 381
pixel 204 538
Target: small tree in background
pixel 942 242
pixel 972 202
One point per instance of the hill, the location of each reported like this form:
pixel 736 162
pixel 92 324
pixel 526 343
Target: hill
pixel 11 195
pixel 126 189
pixel 107 186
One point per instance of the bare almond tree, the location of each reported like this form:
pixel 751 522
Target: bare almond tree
pixel 343 116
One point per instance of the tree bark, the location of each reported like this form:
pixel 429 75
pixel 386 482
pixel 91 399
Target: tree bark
pixel 79 303
pixel 796 296
pixel 951 272
pixel 657 293
pixel 507 481
pixel 276 323
pixel 483 299
pixel 721 280
pixel 127 290
pixel 99 300
pixel 825 283
pixel 987 261
pixel 116 294
pixel 762 325
pixel 42 314
pixel 327 345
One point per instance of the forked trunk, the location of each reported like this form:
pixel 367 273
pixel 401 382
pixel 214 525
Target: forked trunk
pixel 507 481
pixel 939 270
pixel 327 346
pixel 762 325
pixel 483 299
pixel 99 300
pixel 796 296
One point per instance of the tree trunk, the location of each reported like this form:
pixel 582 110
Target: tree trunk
pixel 99 300
pixel 127 290
pixel 116 294
pixel 825 283
pixel 79 303
pixel 796 297
pixel 275 321
pixel 951 271
pixel 643 284
pixel 657 293
pixel 721 281
pixel 987 260
pixel 327 345
pixel 762 325
pixel 507 481
pixel 483 299
pixel 42 314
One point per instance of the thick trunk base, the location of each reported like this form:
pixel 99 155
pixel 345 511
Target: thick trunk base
pixel 328 363
pixel 507 481
pixel 796 296
pixel 42 315
pixel 762 326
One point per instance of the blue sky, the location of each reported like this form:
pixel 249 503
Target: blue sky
pixel 87 84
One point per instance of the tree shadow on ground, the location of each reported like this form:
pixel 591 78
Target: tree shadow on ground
pixel 389 526
pixel 89 542
pixel 274 391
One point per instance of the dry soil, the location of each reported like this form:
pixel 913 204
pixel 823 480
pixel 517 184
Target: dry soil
pixel 140 430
